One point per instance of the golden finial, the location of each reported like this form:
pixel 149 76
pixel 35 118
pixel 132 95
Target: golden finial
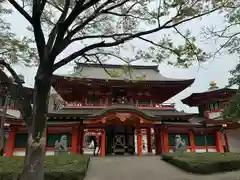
pixel 213 85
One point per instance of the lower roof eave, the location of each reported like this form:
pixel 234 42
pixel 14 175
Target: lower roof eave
pixel 182 124
pixel 62 122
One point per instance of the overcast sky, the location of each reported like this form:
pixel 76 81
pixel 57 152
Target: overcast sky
pixel 215 70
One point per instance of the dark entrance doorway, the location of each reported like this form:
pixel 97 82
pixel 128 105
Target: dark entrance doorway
pixel 119 95
pixel 120 140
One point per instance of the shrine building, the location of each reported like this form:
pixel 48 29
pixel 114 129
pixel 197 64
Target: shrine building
pixel 124 108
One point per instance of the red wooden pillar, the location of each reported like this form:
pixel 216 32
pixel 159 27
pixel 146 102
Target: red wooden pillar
pixel 81 138
pixel 219 141
pixel 149 140
pixel 10 143
pixel 103 141
pixel 165 141
pixel 157 140
pixel 84 138
pixel 226 141
pixel 139 141
pixel 160 146
pixel 192 142
pixel 75 139
pixel 46 140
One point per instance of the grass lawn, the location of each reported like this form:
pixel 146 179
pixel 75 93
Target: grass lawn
pixel 204 163
pixel 64 167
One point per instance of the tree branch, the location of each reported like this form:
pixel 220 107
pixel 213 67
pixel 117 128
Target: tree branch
pixel 223 34
pixel 114 6
pixel 12 72
pixel 90 18
pixel 191 47
pixel 113 36
pixel 127 38
pixel 37 28
pixel 21 11
pixel 42 5
pixel 96 56
pixel 58 47
pixel 98 61
pixel 159 45
pixel 17 92
pixel 60 43
pixel 78 9
pixel 53 3
pixel 75 55
pixel 53 33
pixel 126 15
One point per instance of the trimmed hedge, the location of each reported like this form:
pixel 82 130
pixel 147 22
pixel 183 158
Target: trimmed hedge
pixel 204 163
pixel 66 167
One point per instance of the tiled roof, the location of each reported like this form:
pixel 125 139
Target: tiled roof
pixel 93 112
pixel 119 72
pixel 208 122
pixel 7 116
pixel 190 99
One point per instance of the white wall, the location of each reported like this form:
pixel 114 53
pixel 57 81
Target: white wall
pixel 171 150
pixel 204 150
pixel 22 153
pixel 144 140
pixel 234 140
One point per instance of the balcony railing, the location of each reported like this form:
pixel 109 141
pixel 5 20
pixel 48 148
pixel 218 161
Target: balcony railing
pixel 216 114
pixel 142 106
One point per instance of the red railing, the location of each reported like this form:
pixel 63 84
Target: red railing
pixel 142 106
pixel 214 114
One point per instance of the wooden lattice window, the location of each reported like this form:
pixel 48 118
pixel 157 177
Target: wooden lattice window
pixel 93 100
pixel 199 140
pixel 21 140
pixel 144 102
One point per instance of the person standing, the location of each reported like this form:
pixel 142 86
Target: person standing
pixel 94 139
pixel 99 144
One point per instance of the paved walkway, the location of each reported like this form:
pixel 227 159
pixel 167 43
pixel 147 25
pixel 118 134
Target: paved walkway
pixel 144 168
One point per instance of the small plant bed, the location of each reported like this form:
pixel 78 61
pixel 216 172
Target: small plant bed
pixel 204 163
pixel 66 167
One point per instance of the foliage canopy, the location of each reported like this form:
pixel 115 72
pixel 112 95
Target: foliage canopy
pixel 229 36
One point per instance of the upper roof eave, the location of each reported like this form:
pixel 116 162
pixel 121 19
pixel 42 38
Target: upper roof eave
pixel 188 99
pixel 166 80
pixel 206 121
pixel 5 80
pixel 102 72
pixel 8 116
pixel 154 67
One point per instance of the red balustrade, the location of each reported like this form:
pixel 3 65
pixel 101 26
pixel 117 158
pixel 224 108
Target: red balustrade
pixel 142 106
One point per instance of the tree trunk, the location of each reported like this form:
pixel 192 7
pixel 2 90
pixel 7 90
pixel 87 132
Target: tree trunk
pixel 35 152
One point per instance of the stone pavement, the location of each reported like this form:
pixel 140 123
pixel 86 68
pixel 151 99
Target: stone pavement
pixel 144 168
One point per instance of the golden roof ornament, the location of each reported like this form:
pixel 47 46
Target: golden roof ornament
pixel 213 85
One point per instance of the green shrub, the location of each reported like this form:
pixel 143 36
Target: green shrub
pixel 67 167
pixel 204 163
